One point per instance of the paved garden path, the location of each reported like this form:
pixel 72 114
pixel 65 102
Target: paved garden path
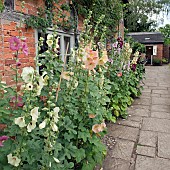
pixel 143 140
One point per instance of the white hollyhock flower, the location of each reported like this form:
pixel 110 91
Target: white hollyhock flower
pixel 20 121
pixel 43 124
pixel 13 160
pixel 54 127
pixel 27 74
pixel 56 160
pixel 35 113
pixel 31 126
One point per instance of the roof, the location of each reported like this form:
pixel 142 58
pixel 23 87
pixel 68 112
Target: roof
pixel 147 37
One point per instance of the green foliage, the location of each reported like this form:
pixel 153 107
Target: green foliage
pixel 166 33
pixel 137 14
pixel 157 61
pixel 1 6
pixel 111 9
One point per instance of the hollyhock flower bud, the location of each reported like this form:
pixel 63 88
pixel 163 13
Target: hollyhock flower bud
pixel 18 63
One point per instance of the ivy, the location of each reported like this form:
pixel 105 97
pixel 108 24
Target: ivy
pixel 1 6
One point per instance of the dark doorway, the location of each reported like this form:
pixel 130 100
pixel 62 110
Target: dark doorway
pixel 149 52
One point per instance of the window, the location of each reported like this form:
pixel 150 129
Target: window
pixel 9 4
pixel 66 42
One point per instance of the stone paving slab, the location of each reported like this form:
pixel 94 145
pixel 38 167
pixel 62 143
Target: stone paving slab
pixel 135 124
pixel 164 145
pixel 160 91
pixel 139 112
pixel 160 101
pixel 161 115
pixel 123 150
pixel 147 163
pixel 123 132
pixel 147 138
pixel 142 101
pixel 163 108
pixel 157 125
pixel 146 151
pixel 135 118
pixel 115 164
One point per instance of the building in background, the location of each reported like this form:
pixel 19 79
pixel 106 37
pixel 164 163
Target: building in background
pixel 154 43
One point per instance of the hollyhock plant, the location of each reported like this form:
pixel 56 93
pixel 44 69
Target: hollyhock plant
pixel 2 139
pixel 15 43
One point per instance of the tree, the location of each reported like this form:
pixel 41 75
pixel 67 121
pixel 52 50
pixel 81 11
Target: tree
pixel 166 33
pixel 138 14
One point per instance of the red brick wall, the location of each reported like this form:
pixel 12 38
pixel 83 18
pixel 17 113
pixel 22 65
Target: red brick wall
pixel 160 51
pixel 166 51
pixel 9 28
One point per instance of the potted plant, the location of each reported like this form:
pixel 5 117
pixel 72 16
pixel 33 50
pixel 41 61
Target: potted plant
pixel 157 61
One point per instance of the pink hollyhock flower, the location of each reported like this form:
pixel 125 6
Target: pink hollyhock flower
pixel 91 59
pixel 25 48
pixel 119 74
pixel 14 43
pixel 2 139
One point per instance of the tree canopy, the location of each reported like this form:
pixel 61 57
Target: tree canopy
pixel 166 33
pixel 138 14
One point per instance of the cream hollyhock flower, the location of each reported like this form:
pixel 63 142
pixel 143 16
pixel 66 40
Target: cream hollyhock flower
pixel 103 59
pixel 29 87
pixel 56 111
pixel 67 75
pixel 13 160
pixel 27 74
pixel 54 127
pixel 43 124
pixel 35 114
pixel 20 121
pixel 56 160
pixel 42 82
pixel 49 43
pixel 49 36
pixel 31 126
